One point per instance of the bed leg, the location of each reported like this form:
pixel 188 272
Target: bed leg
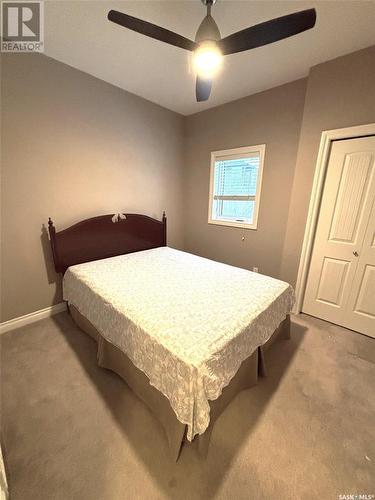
pixel 286 328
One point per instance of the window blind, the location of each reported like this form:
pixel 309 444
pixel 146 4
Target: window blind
pixel 235 186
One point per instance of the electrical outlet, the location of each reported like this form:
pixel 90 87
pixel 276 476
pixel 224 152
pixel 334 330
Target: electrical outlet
pixel 255 269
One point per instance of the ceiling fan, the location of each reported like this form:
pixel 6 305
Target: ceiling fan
pixel 209 48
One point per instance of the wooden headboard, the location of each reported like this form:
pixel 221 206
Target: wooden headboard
pixel 105 236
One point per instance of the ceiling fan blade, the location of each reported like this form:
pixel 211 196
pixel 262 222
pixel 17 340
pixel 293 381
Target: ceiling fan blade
pixel 151 30
pixel 268 32
pixel 203 88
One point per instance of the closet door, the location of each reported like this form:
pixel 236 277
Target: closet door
pixel 341 280
pixel 360 313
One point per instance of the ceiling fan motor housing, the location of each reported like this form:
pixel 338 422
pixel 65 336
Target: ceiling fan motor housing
pixel 208 30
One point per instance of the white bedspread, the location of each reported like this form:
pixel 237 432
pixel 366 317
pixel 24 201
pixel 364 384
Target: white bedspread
pixel 186 322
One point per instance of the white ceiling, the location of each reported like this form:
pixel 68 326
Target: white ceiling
pixel 79 34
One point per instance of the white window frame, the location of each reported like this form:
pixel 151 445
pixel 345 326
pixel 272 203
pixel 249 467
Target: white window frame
pixel 236 153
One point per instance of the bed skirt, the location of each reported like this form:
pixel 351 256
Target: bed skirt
pixel 112 358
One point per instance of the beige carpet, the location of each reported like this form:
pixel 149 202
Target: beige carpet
pixel 71 430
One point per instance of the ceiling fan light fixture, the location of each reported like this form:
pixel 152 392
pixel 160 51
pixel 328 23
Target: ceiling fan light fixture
pixel 207 59
pixel 209 47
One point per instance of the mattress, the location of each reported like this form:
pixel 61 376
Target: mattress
pixel 185 321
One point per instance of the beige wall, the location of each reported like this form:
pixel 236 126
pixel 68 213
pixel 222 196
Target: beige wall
pixel 340 93
pixel 272 118
pixel 73 147
pixel 289 120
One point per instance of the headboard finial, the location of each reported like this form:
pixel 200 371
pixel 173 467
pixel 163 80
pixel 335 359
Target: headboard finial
pixel 51 227
pixel 164 222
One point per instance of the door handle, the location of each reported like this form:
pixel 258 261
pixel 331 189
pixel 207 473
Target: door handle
pixel 355 254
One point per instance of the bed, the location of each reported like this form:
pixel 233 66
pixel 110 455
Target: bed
pixel 186 333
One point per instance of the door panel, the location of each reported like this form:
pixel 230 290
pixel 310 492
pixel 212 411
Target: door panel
pixel 332 281
pixel 356 173
pixel 366 297
pixel 340 284
pixel 360 314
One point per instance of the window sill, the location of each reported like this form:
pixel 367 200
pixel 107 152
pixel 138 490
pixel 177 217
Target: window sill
pixel 228 223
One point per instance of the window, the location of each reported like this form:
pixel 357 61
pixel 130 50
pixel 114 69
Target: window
pixel 235 184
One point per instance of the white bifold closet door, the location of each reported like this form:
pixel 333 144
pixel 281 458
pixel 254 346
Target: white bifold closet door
pixel 341 281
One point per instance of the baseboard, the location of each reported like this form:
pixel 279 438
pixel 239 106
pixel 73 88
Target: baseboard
pixel 12 324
